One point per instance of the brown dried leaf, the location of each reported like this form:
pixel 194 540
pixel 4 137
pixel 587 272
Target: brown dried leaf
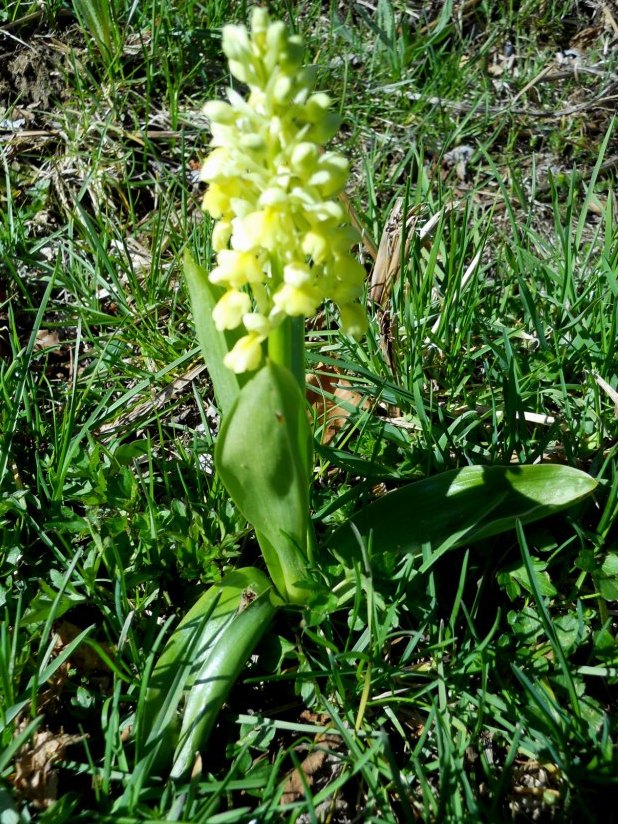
pixel 388 260
pixel 330 414
pixel 35 778
pixel 609 20
pixel 308 771
pixel 46 339
pixel 49 699
pixel 293 789
pixel 387 267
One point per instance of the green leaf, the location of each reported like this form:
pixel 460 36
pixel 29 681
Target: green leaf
pixel 571 631
pixel 47 598
pixel 185 653
pixel 263 456
pixel 126 453
pixel 462 506
pixel 515 576
pixel 607 580
pixel 216 677
pixel 214 344
pixel 97 17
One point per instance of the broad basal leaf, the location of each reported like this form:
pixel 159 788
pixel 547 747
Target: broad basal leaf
pixel 263 455
pixel 462 506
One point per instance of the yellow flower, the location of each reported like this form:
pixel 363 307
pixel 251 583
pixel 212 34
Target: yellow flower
pixel 246 354
pixel 354 320
pixel 294 301
pixel 236 269
pixel 283 240
pixel 221 235
pixel 229 311
pixel 216 201
pixel 258 324
pixel 297 274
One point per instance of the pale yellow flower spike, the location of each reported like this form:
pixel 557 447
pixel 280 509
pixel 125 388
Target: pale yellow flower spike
pixel 282 239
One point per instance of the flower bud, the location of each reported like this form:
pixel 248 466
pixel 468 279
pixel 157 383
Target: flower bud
pixel 236 269
pixel 283 89
pixel 296 274
pixel 215 201
pixel 328 212
pixel 219 112
pixel 241 70
pixel 304 158
pixel 217 165
pixel 253 142
pixel 316 246
pixel 235 43
pixel 317 106
pixel 221 235
pixel 331 175
pixel 276 39
pixel 260 21
pixel 273 196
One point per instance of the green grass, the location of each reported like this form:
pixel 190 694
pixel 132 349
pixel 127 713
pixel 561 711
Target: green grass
pixel 476 686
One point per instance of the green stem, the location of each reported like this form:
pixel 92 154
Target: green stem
pixel 312 543
pixel 286 346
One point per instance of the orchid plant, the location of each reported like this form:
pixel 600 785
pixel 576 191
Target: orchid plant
pixel 283 243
